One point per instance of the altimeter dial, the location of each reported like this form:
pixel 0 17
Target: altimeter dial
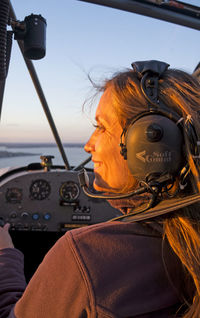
pixel 40 189
pixel 69 191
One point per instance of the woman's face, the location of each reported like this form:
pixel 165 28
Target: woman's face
pixel 110 168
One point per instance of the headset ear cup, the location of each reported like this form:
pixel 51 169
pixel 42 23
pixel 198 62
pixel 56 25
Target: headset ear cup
pixel 154 147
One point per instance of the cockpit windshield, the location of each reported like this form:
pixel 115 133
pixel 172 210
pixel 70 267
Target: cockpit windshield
pixel 82 39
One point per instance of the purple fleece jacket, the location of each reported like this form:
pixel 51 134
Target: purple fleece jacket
pixel 111 270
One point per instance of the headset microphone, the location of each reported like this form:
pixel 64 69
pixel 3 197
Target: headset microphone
pixel 84 183
pixel 151 187
pixel 154 209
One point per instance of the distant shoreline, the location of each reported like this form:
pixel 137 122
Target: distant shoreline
pixel 8 154
pixel 5 153
pixel 38 145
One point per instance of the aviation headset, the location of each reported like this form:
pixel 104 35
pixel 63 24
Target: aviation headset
pixel 156 143
pixel 156 140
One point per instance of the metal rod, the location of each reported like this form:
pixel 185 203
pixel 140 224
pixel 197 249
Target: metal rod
pixel 82 164
pixel 151 10
pixel 2 87
pixel 42 98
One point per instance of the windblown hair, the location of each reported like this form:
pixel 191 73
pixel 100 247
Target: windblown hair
pixel 180 92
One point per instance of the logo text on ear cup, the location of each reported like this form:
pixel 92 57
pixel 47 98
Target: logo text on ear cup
pixel 140 155
pixel 165 156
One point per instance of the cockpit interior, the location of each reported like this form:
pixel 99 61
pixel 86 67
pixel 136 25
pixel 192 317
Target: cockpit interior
pixel 43 199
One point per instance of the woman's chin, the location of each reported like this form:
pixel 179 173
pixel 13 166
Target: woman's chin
pixel 103 187
pixel 99 184
pixel 99 187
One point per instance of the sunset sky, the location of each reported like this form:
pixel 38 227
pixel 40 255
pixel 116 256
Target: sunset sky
pixel 83 38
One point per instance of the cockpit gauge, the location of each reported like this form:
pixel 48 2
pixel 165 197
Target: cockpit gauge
pixel 14 195
pixel 40 189
pixel 69 191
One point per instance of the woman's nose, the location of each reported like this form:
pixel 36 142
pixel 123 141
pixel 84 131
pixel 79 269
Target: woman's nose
pixel 89 146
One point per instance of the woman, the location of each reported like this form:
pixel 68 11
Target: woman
pixel 123 269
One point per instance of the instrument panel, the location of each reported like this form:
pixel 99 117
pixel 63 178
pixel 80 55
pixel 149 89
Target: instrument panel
pixel 49 201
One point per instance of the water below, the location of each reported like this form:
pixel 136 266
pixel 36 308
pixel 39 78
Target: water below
pixel 75 155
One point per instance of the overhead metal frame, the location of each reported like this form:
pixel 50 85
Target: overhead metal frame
pixel 162 10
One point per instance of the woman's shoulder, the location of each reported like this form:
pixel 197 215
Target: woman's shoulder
pixel 116 258
pixel 152 228
pixel 108 238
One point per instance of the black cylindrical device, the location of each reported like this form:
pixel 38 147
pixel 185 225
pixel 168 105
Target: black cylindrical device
pixel 35 37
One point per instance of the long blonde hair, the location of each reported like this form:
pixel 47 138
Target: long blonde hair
pixel 180 92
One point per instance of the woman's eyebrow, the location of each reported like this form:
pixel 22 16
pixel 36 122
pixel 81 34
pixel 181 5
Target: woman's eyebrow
pixel 100 120
pixel 96 118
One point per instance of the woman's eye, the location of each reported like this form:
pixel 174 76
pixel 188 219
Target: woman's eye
pixel 99 127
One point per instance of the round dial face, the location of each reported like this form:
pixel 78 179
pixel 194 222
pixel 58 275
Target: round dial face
pixel 69 191
pixel 14 195
pixel 40 189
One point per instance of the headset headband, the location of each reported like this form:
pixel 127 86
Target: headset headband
pixel 149 73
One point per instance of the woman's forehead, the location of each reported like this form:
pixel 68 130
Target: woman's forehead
pixel 105 110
